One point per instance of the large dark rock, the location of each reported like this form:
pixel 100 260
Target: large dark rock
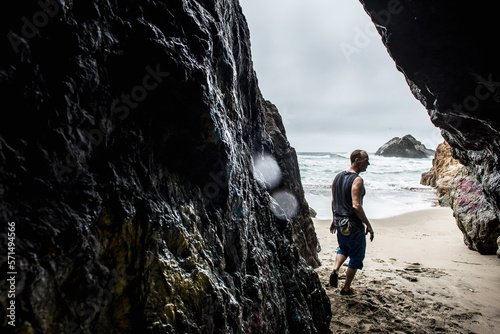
pixel 445 51
pixel 474 214
pixel 406 147
pixel 127 169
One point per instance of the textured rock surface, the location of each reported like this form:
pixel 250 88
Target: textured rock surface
pixel 127 164
pixel 406 147
pixel 459 190
pixel 498 251
pixel 444 49
pixel 474 214
pixel 443 171
pixel 302 225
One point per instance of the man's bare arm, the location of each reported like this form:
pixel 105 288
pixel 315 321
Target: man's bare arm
pixel 357 192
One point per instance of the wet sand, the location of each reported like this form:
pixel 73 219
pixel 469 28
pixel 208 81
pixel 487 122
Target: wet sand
pixel 418 277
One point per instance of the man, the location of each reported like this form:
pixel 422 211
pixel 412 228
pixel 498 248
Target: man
pixel 349 220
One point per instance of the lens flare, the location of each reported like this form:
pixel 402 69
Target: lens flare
pixel 266 171
pixel 284 205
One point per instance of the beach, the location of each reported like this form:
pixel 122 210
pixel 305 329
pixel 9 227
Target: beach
pixel 418 277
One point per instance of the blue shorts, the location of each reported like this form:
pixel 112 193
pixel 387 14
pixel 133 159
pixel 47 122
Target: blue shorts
pixel 353 246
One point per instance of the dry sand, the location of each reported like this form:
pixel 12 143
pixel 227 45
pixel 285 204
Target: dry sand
pixel 418 277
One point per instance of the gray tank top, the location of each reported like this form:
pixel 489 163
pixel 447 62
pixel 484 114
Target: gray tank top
pixel 342 205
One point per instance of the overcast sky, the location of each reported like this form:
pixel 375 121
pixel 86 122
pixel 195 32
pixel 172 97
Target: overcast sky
pixel 336 87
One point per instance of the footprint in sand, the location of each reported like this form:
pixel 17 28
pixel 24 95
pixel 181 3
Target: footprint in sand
pixel 378 260
pixel 414 267
pixel 417 268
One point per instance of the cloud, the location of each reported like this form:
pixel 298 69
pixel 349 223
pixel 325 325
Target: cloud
pixel 327 71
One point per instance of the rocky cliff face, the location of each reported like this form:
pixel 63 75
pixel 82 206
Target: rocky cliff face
pixel 459 190
pixel 128 171
pixel 443 171
pixel 406 147
pixel 302 225
pixel 444 49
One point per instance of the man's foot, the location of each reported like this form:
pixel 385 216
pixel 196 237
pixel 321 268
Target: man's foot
pixel 348 292
pixel 334 279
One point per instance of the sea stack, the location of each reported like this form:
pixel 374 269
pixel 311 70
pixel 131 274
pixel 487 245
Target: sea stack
pixel 406 147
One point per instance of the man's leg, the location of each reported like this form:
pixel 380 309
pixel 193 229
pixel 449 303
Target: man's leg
pixel 357 254
pixel 340 258
pixel 349 277
pixel 339 261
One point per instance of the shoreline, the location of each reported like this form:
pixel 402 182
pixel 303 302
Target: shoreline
pixel 418 276
pixel 376 209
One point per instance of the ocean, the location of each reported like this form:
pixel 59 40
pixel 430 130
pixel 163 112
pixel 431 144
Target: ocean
pixel 392 184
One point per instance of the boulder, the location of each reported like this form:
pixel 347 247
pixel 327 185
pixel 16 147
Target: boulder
pixel 406 147
pixel 475 215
